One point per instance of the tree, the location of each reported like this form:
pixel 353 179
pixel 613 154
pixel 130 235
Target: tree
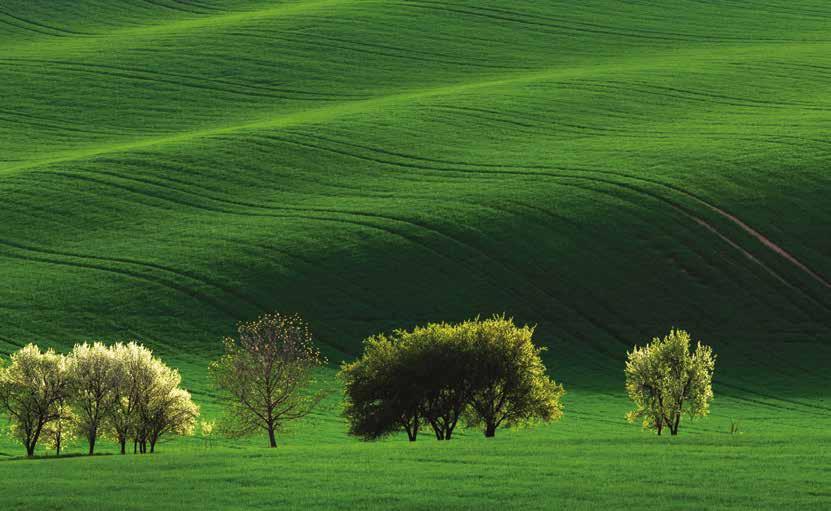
pixel 62 430
pixel 264 373
pixel 406 380
pixel 206 428
pixel 148 402
pixel 32 388
pixel 95 379
pixel 665 381
pixel 486 371
pixel 133 374
pixel 376 403
pixel 170 410
pixel 509 382
pixel 439 360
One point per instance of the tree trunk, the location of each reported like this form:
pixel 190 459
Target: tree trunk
pixel 673 424
pixel 272 441
pixel 58 444
pixel 30 449
pixel 490 430
pixel 123 442
pixel 91 440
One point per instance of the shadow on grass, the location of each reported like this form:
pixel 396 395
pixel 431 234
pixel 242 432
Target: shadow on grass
pixel 10 457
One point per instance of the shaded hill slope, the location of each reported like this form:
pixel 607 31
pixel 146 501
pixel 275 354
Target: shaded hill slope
pixel 605 169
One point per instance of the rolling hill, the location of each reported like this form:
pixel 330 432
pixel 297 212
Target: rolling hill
pixel 604 169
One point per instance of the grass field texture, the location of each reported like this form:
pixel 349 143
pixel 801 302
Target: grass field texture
pixel 604 169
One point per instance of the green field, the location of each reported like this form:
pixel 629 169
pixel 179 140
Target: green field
pixel 606 169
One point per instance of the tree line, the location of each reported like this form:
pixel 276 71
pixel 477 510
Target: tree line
pixel 486 374
pixel 481 373
pixel 121 392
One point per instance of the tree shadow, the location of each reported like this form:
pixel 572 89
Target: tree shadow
pixel 47 457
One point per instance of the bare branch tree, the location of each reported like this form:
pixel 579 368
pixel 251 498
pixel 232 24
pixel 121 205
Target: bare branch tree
pixel 264 373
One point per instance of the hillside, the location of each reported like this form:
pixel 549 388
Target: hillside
pixel 604 169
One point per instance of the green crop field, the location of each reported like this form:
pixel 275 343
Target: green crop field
pixel 605 169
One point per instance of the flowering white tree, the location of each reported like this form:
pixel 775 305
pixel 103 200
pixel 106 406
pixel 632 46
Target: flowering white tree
pixel 666 381
pixel 169 408
pixel 61 431
pixel 33 388
pixel 148 402
pixel 95 377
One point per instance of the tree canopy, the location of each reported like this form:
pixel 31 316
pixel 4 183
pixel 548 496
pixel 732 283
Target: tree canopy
pixel 264 374
pixel 485 372
pixel 665 381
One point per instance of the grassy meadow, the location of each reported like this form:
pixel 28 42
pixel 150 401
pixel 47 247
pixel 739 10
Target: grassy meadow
pixel 605 169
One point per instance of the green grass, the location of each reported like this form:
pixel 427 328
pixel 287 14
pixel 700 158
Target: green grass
pixel 605 169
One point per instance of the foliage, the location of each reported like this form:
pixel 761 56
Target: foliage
pixel 264 374
pixel 206 430
pixel 33 387
pixel 167 408
pixel 61 431
pixel 488 371
pixel 376 404
pixel 95 375
pixel 666 381
pixel 509 382
pixel 148 402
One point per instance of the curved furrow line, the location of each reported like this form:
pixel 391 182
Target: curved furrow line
pixel 124 273
pixel 738 222
pixel 589 132
pixel 581 128
pixel 580 231
pixel 774 9
pixel 10 342
pixel 196 81
pixel 16 118
pixel 609 87
pixel 773 406
pixel 562 21
pixel 346 287
pixel 296 214
pixel 200 5
pixel 285 214
pixel 690 95
pixel 368 51
pixel 661 198
pixel 534 26
pixel 765 241
pixel 185 274
pixel 203 21
pixel 268 207
pixel 61 32
pixel 581 28
pixel 711 95
pixel 177 8
pixel 27 29
pixel 782 71
pixel 561 127
pixel 446 114
pixel 137 77
pixel 772 397
pixel 406 52
pixel 732 218
pixel 354 191
pixel 815 68
pixel 723 273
